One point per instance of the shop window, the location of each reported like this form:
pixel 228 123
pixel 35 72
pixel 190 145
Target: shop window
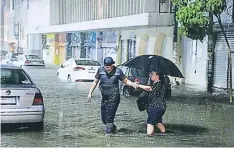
pixel 164 6
pixel 131 49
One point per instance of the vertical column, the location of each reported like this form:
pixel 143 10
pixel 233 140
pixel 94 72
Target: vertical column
pixel 89 10
pixel 137 6
pixel 75 10
pixel 115 8
pixel 86 16
pixel 82 10
pixel 78 10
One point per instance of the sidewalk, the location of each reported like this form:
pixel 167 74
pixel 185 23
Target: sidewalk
pixel 191 92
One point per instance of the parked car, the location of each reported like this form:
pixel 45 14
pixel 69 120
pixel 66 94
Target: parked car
pixel 76 70
pixel 29 60
pixel 21 99
pixel 134 75
pixel 10 58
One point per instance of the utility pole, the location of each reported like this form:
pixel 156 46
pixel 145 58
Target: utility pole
pixel 175 36
pixel 210 51
pixel 174 50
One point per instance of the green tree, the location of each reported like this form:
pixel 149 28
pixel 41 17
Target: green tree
pixel 195 21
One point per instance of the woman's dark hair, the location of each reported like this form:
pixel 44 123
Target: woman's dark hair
pixel 161 77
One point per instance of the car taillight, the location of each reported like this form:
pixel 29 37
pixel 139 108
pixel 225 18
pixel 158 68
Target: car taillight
pixel 27 62
pixel 137 80
pixel 78 68
pixel 38 99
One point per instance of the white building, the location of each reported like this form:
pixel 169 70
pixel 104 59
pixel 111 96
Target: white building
pixel 22 15
pixel 194 55
pixel 145 24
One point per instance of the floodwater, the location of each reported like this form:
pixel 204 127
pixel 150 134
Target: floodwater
pixel 193 118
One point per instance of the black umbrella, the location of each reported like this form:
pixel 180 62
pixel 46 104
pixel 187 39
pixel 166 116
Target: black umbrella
pixel 154 63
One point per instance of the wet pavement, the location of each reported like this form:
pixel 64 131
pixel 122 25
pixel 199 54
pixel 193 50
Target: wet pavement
pixel 192 118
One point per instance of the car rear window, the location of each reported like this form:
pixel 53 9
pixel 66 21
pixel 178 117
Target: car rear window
pixel 14 76
pixel 142 73
pixel 87 62
pixel 14 55
pixel 32 57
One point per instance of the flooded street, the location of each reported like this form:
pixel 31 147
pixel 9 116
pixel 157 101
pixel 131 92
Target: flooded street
pixel 191 119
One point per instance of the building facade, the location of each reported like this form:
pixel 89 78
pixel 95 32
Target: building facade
pixel 147 21
pixel 194 55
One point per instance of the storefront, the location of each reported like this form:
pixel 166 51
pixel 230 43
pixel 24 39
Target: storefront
pixel 60 46
pixel 221 60
pixel 48 53
pixel 108 45
pixel 90 45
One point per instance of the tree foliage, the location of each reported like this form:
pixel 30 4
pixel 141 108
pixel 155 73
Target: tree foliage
pixel 194 19
pixel 193 16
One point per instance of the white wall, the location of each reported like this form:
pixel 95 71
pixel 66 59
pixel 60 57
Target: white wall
pixel 38 14
pixel 194 62
pixel 152 33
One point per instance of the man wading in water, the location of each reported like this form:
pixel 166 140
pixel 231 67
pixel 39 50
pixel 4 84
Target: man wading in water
pixel 109 77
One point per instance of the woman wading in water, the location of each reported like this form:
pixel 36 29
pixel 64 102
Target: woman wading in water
pixel 156 103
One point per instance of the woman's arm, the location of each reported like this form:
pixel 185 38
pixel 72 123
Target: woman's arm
pixel 145 87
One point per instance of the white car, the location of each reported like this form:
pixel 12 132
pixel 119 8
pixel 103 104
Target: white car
pixel 21 100
pixel 10 58
pixel 77 70
pixel 26 60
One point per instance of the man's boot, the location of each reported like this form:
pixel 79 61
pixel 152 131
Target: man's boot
pixel 109 128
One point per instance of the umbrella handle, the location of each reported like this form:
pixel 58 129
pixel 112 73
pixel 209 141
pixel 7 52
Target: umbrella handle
pixel 148 81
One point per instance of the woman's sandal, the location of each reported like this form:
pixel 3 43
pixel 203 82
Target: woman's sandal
pixel 151 135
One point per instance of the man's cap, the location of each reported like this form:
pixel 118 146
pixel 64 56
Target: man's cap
pixel 108 61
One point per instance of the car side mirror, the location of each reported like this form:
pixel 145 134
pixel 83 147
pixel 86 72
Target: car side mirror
pixel 62 66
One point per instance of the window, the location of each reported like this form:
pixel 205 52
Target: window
pixel 125 70
pixel 14 55
pixel 32 57
pixel 13 4
pixel 164 6
pixel 142 73
pixel 14 76
pixel 162 1
pixel 87 62
pixel 131 49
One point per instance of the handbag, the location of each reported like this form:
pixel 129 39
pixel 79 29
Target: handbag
pixel 142 101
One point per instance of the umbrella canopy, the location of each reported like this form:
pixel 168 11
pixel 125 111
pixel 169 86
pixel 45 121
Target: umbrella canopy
pixel 154 63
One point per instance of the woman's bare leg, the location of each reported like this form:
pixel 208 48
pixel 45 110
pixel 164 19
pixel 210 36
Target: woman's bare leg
pixel 150 129
pixel 161 127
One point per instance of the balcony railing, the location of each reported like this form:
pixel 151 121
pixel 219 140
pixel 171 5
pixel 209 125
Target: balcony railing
pixel 72 11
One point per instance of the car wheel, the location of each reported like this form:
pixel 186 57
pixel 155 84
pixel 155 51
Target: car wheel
pixel 69 78
pixel 126 92
pixel 39 126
